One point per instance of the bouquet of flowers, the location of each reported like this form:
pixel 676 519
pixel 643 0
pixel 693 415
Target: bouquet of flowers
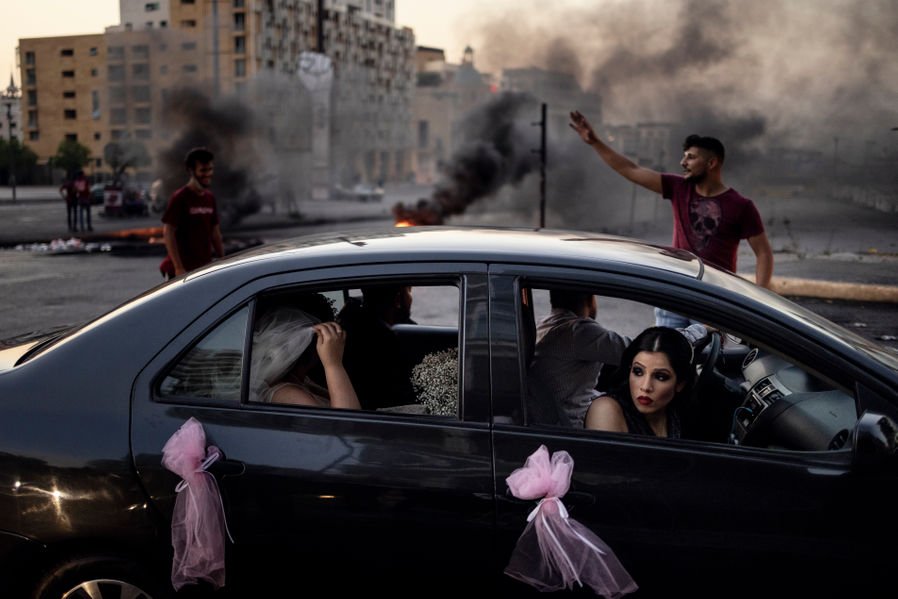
pixel 435 381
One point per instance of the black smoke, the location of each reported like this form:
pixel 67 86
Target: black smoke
pixel 226 126
pixel 497 151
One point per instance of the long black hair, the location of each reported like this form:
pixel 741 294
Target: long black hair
pixel 679 353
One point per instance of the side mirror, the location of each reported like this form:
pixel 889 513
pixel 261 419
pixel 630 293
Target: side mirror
pixel 875 440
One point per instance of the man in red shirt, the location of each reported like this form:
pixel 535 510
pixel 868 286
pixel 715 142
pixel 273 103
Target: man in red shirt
pixel 190 223
pixel 710 218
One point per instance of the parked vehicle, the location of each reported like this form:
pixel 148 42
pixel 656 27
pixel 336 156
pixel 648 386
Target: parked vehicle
pixel 788 487
pixel 130 200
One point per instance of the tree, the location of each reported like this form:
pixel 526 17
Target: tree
pixel 70 156
pixel 121 155
pixel 23 160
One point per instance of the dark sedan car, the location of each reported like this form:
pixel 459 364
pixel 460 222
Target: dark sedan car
pixel 787 484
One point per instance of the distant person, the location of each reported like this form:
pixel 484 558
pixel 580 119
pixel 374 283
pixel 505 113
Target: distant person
pixel 190 223
pixel 571 349
pixel 67 191
pixel 82 193
pixel 709 218
pixel 649 387
pixel 373 356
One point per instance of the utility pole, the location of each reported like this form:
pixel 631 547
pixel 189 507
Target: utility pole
pixel 543 158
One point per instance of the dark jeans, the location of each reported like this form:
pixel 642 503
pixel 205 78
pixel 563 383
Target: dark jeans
pixel 72 215
pixel 85 210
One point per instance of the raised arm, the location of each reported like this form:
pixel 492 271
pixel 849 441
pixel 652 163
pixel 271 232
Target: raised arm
pixel 640 175
pixel 331 341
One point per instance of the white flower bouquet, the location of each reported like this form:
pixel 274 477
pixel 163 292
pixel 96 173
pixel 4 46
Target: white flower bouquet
pixel 435 381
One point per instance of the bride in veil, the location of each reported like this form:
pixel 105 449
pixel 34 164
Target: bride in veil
pixel 283 354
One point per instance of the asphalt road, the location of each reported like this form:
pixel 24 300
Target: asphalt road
pixel 811 238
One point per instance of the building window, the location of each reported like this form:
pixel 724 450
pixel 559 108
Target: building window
pixel 93 52
pixel 187 1
pixel 32 97
pixel 71 136
pixel 118 116
pixel 116 52
pixel 240 68
pixel 29 58
pixel 95 104
pixel 117 134
pixel 188 23
pixel 151 6
pixel 239 21
pixel 142 115
pixel 32 119
pixel 239 4
pixel 68 94
pixel 116 95
pixel 423 134
pixel 163 24
pixel 97 136
pixel 141 51
pixel 116 72
pixel 67 52
pixel 34 135
pixel 30 77
pixel 240 45
pixel 189 68
pixel 140 93
pixel 69 114
pixel 143 134
pixel 94 72
pixel 188 46
pixel 99 162
pixel 68 74
pixel 140 71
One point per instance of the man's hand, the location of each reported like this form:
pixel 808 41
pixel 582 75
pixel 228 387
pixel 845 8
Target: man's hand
pixel 583 128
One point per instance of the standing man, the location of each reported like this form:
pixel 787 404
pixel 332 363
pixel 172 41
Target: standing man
pixel 190 223
pixel 710 218
pixel 82 193
pixel 67 191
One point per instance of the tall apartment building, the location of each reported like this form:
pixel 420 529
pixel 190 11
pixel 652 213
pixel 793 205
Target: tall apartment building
pixel 106 87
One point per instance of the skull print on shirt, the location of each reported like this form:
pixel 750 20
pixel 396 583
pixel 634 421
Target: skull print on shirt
pixel 704 220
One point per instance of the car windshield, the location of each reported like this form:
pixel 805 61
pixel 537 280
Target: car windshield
pixel 878 352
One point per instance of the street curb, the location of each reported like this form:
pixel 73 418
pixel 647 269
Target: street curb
pixel 858 292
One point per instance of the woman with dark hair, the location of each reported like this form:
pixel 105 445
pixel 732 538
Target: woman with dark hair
pixel 646 396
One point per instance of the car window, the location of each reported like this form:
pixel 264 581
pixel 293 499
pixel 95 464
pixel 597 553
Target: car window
pixel 739 390
pixel 399 352
pixel 212 368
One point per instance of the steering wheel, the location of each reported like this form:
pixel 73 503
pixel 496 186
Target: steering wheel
pixel 704 367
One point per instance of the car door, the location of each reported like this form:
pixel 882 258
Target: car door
pixel 346 497
pixel 686 516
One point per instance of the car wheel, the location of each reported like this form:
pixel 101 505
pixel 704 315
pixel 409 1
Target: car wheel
pixel 99 578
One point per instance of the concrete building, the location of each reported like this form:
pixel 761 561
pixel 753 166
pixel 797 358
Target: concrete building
pixel 108 87
pixel 648 144
pixel 444 94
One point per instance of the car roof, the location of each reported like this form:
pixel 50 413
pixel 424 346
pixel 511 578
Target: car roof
pixel 463 244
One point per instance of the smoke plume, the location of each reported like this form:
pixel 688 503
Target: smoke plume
pixel 497 151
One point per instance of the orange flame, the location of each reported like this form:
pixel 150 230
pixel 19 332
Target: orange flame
pixel 404 223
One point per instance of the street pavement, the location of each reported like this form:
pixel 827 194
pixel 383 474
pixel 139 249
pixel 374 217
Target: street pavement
pixel 848 251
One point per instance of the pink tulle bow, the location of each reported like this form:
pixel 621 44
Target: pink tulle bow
pixel 555 551
pixel 198 525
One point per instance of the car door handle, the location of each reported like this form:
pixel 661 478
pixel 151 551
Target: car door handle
pixel 223 468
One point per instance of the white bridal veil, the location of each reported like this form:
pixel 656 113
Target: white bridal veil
pixel 280 338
